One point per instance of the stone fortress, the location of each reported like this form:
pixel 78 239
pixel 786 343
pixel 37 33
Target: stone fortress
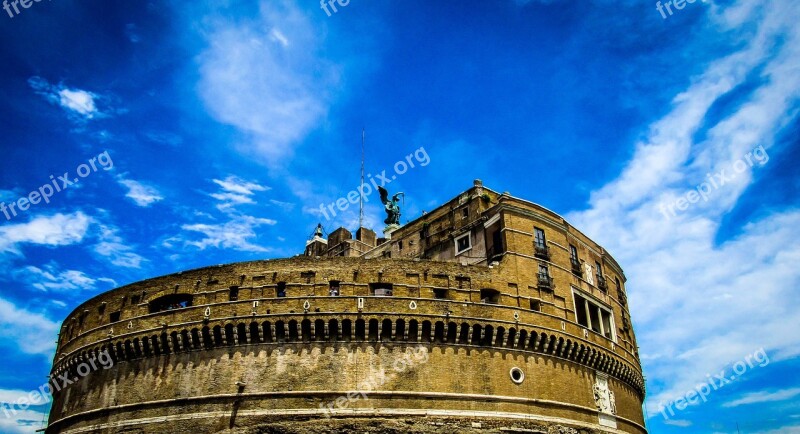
pixel 488 314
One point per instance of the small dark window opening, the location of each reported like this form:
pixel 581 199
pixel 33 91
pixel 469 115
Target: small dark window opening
pixel 114 316
pixel 573 255
pixel 465 212
pixel 170 302
pixel 333 290
pixel 135 299
pixel 233 295
pixel 400 244
pixel 580 311
pixel 101 309
pixel 280 290
pixel 536 305
pixel 440 293
pixel 490 296
pixel 574 261
pixel 380 289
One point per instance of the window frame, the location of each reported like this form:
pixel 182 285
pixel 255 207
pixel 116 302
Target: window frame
pixel 461 237
pixel 536 232
pixel 599 305
pixel 573 255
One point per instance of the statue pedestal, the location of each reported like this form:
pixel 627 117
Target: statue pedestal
pixel 387 231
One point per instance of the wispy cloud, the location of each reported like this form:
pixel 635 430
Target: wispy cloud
pixel 115 249
pixel 234 234
pixel 23 422
pixel 142 194
pixel 235 191
pixel 265 77
pixel 787 429
pixel 759 397
pixel 678 422
pixel 55 230
pixel 32 333
pixel 76 101
pixel 50 278
pixel 756 267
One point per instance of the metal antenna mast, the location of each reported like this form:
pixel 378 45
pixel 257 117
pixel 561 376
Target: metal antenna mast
pixel 361 197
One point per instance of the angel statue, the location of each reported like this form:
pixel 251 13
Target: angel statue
pixel 392 207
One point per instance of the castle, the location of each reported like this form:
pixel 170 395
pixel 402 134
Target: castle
pixel 487 314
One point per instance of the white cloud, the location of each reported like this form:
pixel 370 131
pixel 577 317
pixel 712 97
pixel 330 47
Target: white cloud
pixel 236 191
pixel 700 306
pixel 143 195
pixel 50 278
pixel 112 246
pixel 55 230
pixel 32 333
pixel 678 422
pixel 79 103
pixel 286 206
pixel 21 422
pixel 788 429
pixel 234 184
pixel 233 234
pixel 279 37
pixel 265 78
pixel 758 397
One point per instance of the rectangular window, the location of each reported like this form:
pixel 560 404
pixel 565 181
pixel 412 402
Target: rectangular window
pixel 463 243
pixel 280 290
pixel 233 295
pixel 543 277
pixel 333 289
pixel 114 316
pixel 465 212
pixel 381 289
pixel 440 293
pixel 601 281
pixel 573 255
pixel 539 238
pixel 490 296
pixel 594 317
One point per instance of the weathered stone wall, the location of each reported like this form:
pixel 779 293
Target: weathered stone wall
pixel 177 370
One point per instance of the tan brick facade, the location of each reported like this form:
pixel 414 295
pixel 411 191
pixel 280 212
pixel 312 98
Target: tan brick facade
pixel 251 343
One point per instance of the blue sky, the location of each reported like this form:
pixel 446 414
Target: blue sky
pixel 217 130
